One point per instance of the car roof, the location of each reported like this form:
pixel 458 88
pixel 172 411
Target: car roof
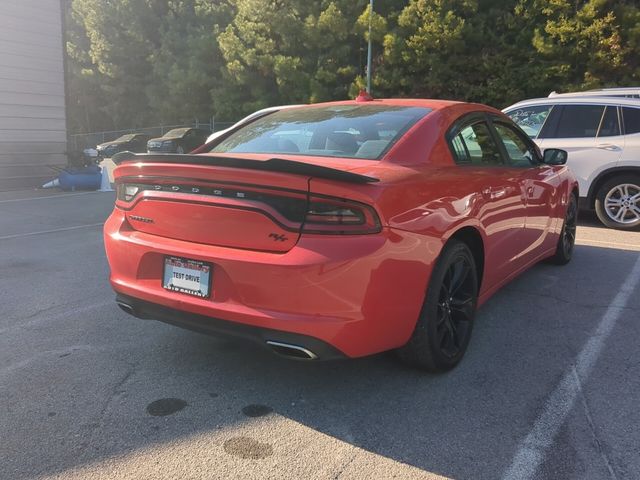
pixel 630 92
pixel 577 100
pixel 432 104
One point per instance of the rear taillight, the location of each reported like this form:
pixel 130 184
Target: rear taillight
pixel 126 192
pixel 340 217
pixel 315 214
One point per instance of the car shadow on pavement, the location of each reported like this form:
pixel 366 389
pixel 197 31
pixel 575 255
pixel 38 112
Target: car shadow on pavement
pixel 464 424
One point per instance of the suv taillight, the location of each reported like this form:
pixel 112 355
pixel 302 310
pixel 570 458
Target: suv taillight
pixel 341 217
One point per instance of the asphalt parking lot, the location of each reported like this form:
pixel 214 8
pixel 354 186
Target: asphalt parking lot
pixel 549 387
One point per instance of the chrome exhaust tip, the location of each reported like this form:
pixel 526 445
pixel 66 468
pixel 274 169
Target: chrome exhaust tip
pixel 126 307
pixel 291 351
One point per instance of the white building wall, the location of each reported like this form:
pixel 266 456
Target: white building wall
pixel 32 94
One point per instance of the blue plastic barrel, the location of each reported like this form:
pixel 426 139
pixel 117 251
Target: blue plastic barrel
pixel 87 178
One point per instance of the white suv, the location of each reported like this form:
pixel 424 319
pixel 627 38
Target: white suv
pixel 602 136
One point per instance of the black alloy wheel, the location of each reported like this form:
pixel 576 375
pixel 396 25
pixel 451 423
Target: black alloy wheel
pixel 444 328
pixel 455 307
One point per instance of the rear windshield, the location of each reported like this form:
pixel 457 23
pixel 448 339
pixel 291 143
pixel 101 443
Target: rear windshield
pixel 348 131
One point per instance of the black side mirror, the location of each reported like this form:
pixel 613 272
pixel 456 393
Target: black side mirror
pixel 555 156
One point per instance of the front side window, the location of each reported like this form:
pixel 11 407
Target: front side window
pixel 474 145
pixel 530 119
pixel 348 131
pixel 519 152
pixel 578 121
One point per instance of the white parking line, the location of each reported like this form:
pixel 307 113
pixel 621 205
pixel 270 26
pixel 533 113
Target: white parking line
pixel 43 232
pixel 50 197
pixel 601 243
pixel 533 447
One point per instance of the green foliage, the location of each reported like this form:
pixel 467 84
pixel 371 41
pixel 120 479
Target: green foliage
pixel 135 62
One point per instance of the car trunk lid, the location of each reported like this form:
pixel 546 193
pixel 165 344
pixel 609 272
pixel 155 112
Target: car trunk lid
pixel 240 203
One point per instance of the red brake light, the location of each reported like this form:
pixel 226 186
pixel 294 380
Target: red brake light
pixel 340 217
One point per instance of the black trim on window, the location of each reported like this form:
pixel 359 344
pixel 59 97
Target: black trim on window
pixel 602 119
pixel 623 116
pixel 464 122
pixel 523 136
pixel 550 126
pixel 489 119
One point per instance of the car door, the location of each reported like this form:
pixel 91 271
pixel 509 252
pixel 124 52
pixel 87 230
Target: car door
pixel 497 186
pixel 539 184
pixel 590 133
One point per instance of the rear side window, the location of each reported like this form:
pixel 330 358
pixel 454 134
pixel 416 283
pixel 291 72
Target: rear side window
pixel 474 145
pixel 631 118
pixel 578 121
pixel 609 126
pixel 530 119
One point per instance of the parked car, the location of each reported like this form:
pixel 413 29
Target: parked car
pixel 623 92
pixel 247 119
pixel 133 142
pixel 178 140
pixel 602 136
pixel 341 229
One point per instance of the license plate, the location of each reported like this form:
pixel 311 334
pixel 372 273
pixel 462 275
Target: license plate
pixel 187 276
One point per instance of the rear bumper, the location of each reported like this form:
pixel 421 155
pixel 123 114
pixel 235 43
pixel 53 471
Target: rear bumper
pixel 214 326
pixel 358 294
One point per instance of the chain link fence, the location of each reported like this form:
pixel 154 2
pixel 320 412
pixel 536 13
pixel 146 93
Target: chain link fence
pixel 81 141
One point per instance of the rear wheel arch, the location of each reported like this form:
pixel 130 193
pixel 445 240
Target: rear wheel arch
pixel 605 176
pixel 472 237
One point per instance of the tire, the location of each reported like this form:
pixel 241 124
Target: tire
pixel 567 240
pixel 618 202
pixel 179 150
pixel 443 330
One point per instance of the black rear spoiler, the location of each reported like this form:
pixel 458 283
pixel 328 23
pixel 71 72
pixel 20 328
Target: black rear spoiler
pixel 271 165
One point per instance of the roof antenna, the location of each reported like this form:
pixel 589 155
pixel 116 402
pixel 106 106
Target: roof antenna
pixel 363 96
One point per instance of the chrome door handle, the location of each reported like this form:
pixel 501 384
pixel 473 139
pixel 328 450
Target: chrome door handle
pixel 608 146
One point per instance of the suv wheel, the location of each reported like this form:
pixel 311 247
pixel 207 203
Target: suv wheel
pixel 618 202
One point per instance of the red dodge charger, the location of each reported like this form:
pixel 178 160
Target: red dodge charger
pixel 341 229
